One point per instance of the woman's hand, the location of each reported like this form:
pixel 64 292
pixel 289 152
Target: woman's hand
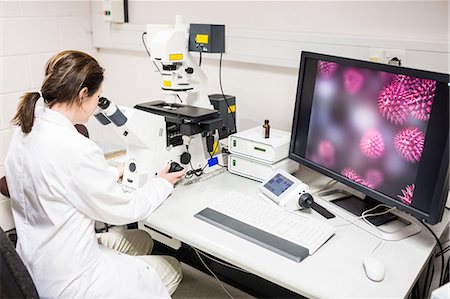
pixel 171 177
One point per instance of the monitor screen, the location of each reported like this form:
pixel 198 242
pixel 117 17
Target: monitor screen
pixel 380 129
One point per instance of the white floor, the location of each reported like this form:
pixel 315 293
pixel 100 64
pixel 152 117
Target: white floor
pixel 196 284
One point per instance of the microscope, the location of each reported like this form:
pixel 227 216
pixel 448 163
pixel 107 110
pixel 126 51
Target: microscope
pixel 183 127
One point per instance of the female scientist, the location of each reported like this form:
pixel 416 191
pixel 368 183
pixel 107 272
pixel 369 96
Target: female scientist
pixel 60 184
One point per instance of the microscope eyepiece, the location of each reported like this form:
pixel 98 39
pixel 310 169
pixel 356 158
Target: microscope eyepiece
pixel 103 102
pixel 111 112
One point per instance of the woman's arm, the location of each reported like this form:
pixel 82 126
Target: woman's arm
pixel 94 191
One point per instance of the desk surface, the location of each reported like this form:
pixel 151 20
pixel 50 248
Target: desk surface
pixel 335 270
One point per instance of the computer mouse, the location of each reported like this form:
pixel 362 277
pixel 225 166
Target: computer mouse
pixel 174 167
pixel 374 268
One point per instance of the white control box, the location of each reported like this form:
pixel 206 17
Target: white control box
pixel 284 189
pixel 257 170
pixel 251 143
pixel 114 11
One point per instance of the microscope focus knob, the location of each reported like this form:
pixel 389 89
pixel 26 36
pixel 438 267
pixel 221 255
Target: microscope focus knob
pixel 174 167
pixel 185 158
pixel 189 70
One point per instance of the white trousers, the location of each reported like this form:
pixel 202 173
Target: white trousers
pixel 139 243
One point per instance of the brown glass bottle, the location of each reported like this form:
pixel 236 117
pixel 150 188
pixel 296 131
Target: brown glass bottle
pixel 266 127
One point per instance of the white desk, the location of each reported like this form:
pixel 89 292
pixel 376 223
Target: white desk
pixel 335 270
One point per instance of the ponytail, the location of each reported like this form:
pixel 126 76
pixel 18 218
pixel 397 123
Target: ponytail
pixel 25 112
pixel 66 74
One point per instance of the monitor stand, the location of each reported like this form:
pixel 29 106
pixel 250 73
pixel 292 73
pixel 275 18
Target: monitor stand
pixel 408 225
pixel 357 206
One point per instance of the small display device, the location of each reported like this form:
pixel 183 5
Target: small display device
pixel 284 189
pixel 278 184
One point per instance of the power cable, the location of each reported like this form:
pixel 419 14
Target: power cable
pixel 441 250
pixel 212 273
pixel 148 52
pixel 223 95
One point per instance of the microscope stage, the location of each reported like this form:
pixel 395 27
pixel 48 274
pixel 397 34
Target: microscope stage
pixel 194 114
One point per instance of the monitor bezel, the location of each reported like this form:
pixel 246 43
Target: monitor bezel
pixel 440 191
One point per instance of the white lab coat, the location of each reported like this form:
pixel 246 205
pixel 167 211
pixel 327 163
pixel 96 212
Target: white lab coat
pixel 60 184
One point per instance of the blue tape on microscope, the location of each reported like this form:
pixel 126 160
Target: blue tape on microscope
pixel 213 161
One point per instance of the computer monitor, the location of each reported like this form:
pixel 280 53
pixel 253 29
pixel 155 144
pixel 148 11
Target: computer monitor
pixel 380 129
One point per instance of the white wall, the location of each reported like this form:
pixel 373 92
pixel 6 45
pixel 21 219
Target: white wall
pixel 418 20
pixel 268 91
pixel 30 33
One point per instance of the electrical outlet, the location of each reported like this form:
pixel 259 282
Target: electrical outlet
pixel 389 56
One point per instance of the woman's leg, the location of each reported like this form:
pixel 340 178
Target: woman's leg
pixel 139 243
pixel 131 242
pixel 167 267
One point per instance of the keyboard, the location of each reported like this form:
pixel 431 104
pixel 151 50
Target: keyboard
pixel 290 234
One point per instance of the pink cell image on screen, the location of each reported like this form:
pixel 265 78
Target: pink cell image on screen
pixel 371 144
pixel 407 194
pixel 353 81
pixel 420 98
pixel 409 143
pixel 406 81
pixel 326 153
pixel 354 176
pixel 392 102
pixel 374 177
pixel 419 95
pixel 327 69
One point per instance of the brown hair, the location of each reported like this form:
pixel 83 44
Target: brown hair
pixel 66 74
